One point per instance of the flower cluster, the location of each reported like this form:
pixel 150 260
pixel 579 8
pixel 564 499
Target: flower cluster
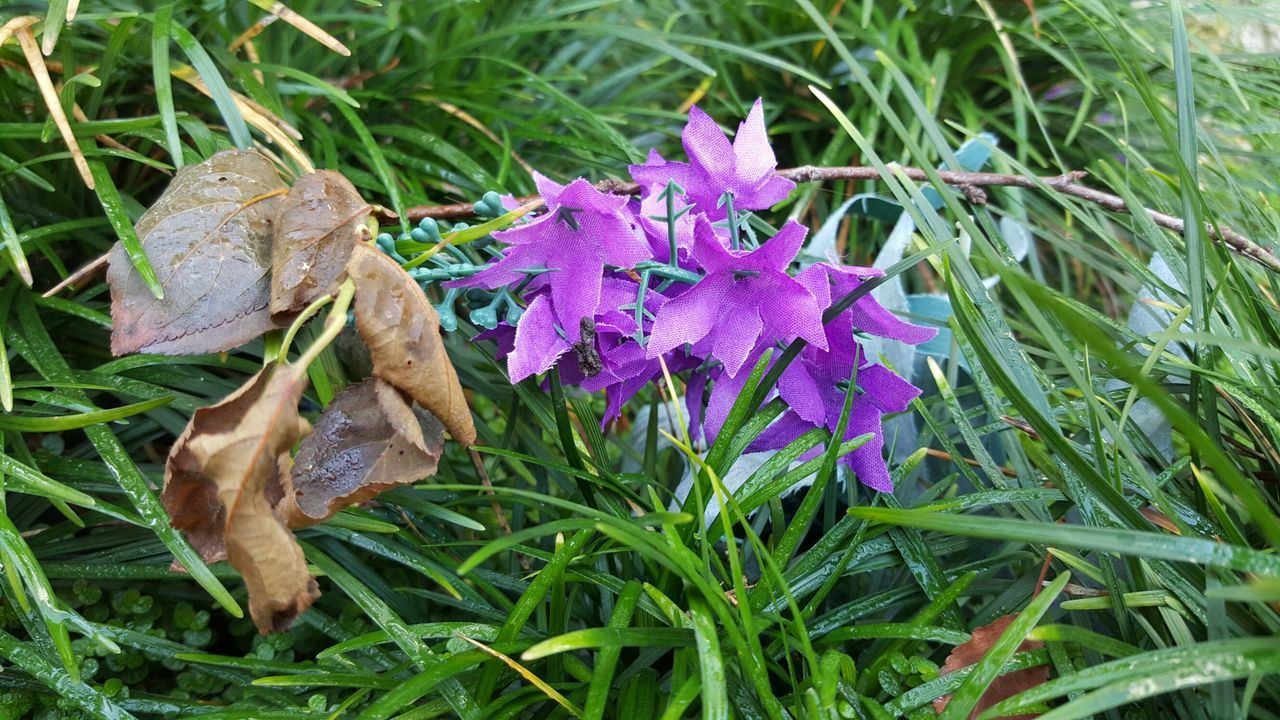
pixel 612 287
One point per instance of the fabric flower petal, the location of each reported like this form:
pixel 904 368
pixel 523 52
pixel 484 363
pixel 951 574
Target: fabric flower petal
pixel 549 190
pixel 773 191
pixel 537 345
pixel 868 461
pixel 782 433
pixel 778 251
pixel 802 393
pixel 705 143
pixel 801 317
pixel 686 318
pixel 575 295
pixel 655 173
pixel 751 150
pixel 694 394
pixel 871 317
pixel 735 340
pixel 723 395
pixel 883 388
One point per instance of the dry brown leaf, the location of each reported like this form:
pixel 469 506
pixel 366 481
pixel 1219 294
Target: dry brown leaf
pixel 368 440
pixel 209 239
pixel 219 481
pixel 1004 686
pixel 402 331
pixel 319 222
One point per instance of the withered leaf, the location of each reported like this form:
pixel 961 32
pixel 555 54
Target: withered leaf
pixel 402 331
pixel 219 478
pixel 368 440
pixel 209 239
pixel 1004 686
pixel 319 222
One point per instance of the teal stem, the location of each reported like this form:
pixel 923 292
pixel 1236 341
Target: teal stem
pixel 487 316
pixel 453 271
pixel 671 223
pixel 727 201
pixel 644 287
pixel 671 273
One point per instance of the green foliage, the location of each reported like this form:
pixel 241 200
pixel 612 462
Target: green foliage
pixel 578 567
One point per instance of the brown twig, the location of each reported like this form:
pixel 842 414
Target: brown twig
pixel 83 274
pixel 944 455
pixel 971 183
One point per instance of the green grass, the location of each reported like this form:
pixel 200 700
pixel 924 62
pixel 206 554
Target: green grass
pixel 830 602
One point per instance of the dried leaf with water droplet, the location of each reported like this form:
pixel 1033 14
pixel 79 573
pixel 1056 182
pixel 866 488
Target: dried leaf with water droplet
pixel 319 222
pixel 368 440
pixel 220 479
pixel 209 239
pixel 402 331
pixel 1004 686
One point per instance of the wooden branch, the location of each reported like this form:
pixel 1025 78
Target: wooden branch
pixel 971 183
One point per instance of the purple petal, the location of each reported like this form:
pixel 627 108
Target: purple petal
pixel 502 273
pixel 709 250
pixel 549 190
pixel 791 312
pixel 779 251
pixel 751 148
pixel 884 389
pixel 773 191
pixel 871 317
pixel 686 318
pixel 694 393
pixel 814 279
pixel 619 394
pixel 503 336
pixel 656 230
pixel 723 395
pixel 706 145
pixel 537 345
pixel 782 433
pixel 582 194
pixel 802 393
pixel 575 294
pixel 736 339
pixel 654 175
pixel 868 461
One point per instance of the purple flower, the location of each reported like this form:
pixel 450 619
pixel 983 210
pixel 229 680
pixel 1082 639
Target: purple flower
pixel 745 169
pixel 746 301
pixel 813 387
pixel 831 283
pixel 584 231
pixel 621 367
pixel 814 384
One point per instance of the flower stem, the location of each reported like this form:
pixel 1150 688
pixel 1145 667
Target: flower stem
pixel 671 222
pixel 727 201
pixel 671 273
pixel 644 287
pixel 333 325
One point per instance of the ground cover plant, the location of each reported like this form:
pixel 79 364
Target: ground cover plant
pixel 939 381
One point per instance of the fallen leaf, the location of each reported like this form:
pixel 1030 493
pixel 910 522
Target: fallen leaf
pixel 220 478
pixel 209 239
pixel 318 223
pixel 1159 519
pixel 1004 686
pixel 368 440
pixel 402 331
